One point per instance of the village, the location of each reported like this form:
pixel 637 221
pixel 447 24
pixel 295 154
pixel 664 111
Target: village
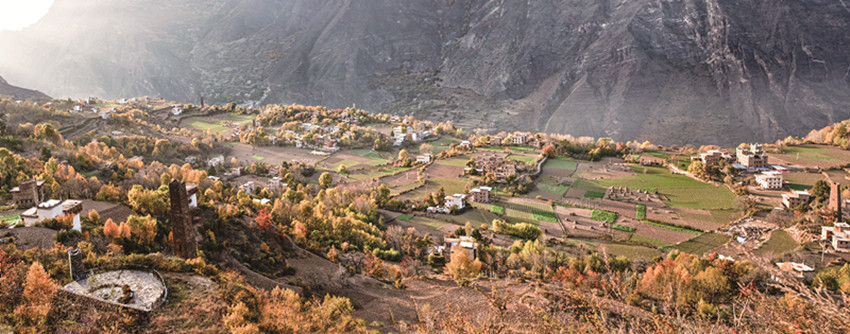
pixel 778 205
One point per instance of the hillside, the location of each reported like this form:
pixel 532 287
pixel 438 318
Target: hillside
pixel 692 71
pixel 20 93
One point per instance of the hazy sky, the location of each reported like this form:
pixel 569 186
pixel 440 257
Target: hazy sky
pixel 18 14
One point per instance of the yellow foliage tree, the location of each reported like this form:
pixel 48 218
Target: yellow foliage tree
pixel 461 268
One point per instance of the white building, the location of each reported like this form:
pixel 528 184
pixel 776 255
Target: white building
pixel 794 199
pixel 424 159
pixel 54 208
pixel 455 201
pixel 176 111
pixel 276 183
pixel 215 162
pixel 770 180
pixel 838 235
pixel 248 187
pixel 465 243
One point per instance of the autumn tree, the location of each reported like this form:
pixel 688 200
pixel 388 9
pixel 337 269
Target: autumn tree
pixel 326 180
pixel 461 268
pixel 263 219
pixel 110 229
pixel 38 297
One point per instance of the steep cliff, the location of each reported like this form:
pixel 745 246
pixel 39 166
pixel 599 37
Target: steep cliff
pixel 669 71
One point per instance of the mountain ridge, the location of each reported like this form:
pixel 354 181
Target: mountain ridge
pixel 692 71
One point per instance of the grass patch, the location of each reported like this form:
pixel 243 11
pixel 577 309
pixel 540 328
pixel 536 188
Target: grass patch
pixel 603 216
pixel 9 219
pixel 640 211
pixel 521 149
pixel 674 228
pixel 561 163
pixel 593 194
pixel 405 217
pixel 544 216
pixel 623 228
pixel 258 158
pixel 499 210
pixel 520 158
pixel 807 153
pixel 780 243
pixel 661 155
pixel 703 243
pixel 432 223
pixel 798 187
pixel 552 188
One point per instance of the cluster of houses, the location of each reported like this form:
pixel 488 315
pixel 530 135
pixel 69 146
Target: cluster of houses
pixel 416 134
pixel 30 194
pixel 491 163
pixel 457 201
pixel 325 141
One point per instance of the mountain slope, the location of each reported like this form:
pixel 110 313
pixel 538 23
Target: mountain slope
pixel 688 71
pixel 20 93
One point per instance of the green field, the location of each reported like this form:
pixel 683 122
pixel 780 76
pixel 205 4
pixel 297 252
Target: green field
pixel 623 228
pixel 552 188
pixel 780 243
pixel 475 217
pixel 561 163
pixel 802 181
pixel 381 172
pixel 674 228
pixel 809 153
pixel 424 221
pixel 499 210
pixel 521 149
pixel 258 158
pixel 216 124
pixel 593 194
pixel 661 155
pixel 640 211
pixel 603 216
pixel 523 159
pixel 405 217
pixel 680 190
pixel 703 243
pixel 376 157
pixel 544 216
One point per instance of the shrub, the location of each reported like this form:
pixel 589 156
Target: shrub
pixel 521 230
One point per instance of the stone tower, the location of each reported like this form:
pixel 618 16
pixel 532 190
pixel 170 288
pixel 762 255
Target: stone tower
pixel 835 198
pixel 75 260
pixel 183 232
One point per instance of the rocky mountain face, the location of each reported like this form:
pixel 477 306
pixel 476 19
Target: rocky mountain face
pixel 668 71
pixel 20 93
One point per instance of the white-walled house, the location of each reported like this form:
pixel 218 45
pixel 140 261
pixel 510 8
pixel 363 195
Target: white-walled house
pixel 54 208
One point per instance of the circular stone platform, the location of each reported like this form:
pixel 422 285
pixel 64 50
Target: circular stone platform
pixel 137 289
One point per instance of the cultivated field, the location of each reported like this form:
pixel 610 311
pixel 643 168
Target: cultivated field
pixel 812 156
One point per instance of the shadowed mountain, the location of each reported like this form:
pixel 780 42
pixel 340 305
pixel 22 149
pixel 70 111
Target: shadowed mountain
pixel 20 93
pixel 689 71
